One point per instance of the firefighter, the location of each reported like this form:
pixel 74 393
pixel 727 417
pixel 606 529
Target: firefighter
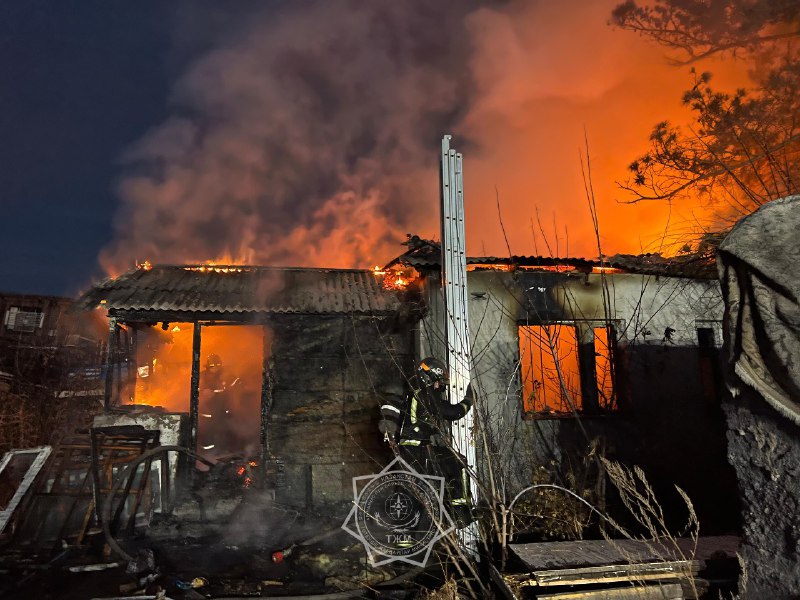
pixel 213 374
pixel 219 433
pixel 418 425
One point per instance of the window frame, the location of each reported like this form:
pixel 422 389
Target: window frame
pixel 586 356
pixel 14 313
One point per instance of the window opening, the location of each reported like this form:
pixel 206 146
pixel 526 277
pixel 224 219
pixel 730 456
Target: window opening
pixel 550 373
pixel 603 368
pixel 554 357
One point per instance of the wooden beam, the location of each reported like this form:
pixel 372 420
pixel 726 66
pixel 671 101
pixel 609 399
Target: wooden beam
pixel 133 364
pixel 611 574
pixel 664 591
pixel 266 400
pixel 110 357
pixel 194 392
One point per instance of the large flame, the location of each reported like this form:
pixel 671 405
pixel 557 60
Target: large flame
pixel 164 361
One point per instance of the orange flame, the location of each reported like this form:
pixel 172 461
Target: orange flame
pixel 398 277
pixel 163 376
pixel 215 268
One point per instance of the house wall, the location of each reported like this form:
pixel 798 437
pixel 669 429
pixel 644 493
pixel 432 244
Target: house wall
pixel 59 320
pixel 51 339
pixel 669 423
pixel 330 374
pixel 764 448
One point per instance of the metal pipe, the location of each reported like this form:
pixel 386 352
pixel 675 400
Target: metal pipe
pixel 456 312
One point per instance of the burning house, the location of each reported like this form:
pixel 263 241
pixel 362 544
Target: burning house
pixel 267 363
pixel 279 373
pixel 575 358
pixel 572 356
pixel 234 391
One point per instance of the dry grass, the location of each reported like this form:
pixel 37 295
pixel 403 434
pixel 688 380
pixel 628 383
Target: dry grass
pixel 449 591
pixel 29 420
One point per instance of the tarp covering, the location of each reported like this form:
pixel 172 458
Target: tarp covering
pixel 759 266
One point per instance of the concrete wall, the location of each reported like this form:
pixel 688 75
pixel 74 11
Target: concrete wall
pixel 764 448
pixel 670 422
pixel 330 374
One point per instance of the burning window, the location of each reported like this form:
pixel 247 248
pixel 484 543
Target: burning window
pixel 229 393
pixel 603 368
pixel 566 369
pixel 25 320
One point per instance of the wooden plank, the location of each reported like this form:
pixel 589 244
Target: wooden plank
pixel 605 574
pixel 594 553
pixel 675 568
pixel 501 583
pixel 667 591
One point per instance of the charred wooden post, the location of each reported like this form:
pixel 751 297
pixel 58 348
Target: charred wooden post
pixel 122 340
pixel 110 359
pixel 588 374
pixel 266 402
pixel 194 391
pixel 133 349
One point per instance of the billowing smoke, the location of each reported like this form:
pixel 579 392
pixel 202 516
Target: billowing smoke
pixel 309 139
pixel 307 135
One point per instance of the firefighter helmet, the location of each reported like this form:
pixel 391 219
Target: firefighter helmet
pixel 431 371
pixel 213 361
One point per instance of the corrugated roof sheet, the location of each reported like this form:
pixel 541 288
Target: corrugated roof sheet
pixel 240 289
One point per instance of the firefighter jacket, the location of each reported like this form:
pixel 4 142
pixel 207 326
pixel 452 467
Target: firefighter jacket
pixel 419 419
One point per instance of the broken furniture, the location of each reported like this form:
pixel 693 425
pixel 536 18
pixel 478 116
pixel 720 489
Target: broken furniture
pixel 63 504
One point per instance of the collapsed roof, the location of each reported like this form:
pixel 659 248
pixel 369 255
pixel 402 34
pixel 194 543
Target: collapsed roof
pixel 425 254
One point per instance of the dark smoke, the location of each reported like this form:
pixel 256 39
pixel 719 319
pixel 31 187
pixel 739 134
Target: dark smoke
pixel 306 133
pixel 306 137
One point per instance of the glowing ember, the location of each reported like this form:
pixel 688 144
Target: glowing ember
pixel 214 268
pixel 145 266
pixel 398 278
pixel 488 267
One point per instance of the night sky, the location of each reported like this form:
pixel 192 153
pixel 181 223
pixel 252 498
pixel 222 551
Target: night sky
pixel 78 82
pixel 305 133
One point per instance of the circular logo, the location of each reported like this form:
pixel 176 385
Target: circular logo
pixel 398 506
pixel 398 513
